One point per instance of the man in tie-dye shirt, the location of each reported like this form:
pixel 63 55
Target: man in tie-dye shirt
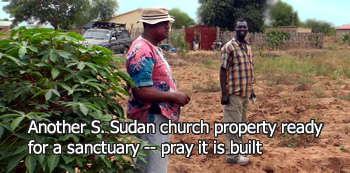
pixel 155 98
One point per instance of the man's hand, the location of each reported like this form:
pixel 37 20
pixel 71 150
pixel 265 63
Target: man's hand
pixel 224 100
pixel 181 98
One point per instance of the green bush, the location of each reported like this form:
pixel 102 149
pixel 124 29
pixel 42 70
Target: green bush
pixel 178 41
pixel 346 39
pixel 47 76
pixel 276 38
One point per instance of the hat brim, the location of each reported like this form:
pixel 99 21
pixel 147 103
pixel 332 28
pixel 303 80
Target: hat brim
pixel 155 21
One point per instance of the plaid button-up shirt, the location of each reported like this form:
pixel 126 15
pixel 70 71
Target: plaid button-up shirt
pixel 238 62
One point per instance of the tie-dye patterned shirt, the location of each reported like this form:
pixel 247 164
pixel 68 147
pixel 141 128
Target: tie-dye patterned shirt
pixel 148 68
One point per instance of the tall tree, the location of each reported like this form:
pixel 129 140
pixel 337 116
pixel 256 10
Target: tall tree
pixel 181 19
pixel 224 13
pixel 104 9
pixel 60 14
pixel 97 10
pixel 282 14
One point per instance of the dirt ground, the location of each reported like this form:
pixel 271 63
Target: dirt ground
pixel 281 153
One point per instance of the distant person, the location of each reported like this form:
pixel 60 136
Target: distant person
pixel 199 43
pixel 236 79
pixel 194 45
pixel 155 99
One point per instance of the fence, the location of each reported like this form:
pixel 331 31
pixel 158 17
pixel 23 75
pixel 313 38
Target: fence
pixel 136 32
pixel 259 40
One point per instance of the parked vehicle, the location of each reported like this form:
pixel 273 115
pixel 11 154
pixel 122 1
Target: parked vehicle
pixel 113 36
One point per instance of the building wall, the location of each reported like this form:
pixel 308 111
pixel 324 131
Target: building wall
pixel 341 32
pixel 130 19
pixel 306 30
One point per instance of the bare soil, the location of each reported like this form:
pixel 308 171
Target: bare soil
pixel 283 103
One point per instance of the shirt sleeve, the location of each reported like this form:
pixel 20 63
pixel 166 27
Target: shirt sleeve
pixel 141 69
pixel 225 55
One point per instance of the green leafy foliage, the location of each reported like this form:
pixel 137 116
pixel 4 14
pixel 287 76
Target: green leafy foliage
pixel 346 39
pixel 181 19
pixel 103 9
pixel 61 14
pixel 276 38
pixel 224 13
pixel 48 76
pixel 178 41
pixel 282 14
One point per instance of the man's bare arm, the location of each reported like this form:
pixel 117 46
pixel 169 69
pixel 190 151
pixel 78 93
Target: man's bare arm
pixel 151 94
pixel 224 96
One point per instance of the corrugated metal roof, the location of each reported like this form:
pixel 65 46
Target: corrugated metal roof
pixel 345 26
pixel 5 23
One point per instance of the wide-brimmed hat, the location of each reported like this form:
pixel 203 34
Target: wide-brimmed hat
pixel 155 15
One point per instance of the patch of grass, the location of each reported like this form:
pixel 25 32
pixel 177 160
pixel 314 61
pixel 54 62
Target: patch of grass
pixel 209 86
pixel 289 140
pixel 319 93
pixel 208 62
pixel 182 55
pixel 285 100
pixel 313 104
pixel 304 83
pixel 345 97
pixel 278 70
pixel 177 62
pixel 342 148
pixel 339 107
pixel 278 88
pixel 281 78
pixel 196 86
pixel 213 87
pixel 340 82
pixel 316 117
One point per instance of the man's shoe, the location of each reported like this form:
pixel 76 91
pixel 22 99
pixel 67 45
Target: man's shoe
pixel 241 160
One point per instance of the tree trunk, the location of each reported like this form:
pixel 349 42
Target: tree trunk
pixel 54 24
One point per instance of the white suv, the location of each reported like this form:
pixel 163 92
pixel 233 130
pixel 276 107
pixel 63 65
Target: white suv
pixel 109 35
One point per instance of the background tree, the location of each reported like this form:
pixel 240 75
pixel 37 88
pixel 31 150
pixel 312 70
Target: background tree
pixel 104 9
pixel 224 13
pixel 320 26
pixel 60 14
pixel 181 19
pixel 282 14
pixel 97 10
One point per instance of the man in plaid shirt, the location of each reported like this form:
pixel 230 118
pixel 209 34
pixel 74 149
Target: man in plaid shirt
pixel 236 78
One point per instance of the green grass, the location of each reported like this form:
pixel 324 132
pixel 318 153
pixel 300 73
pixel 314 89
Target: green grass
pixel 208 62
pixel 345 97
pixel 301 70
pixel 289 140
pixel 209 86
pixel 320 93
